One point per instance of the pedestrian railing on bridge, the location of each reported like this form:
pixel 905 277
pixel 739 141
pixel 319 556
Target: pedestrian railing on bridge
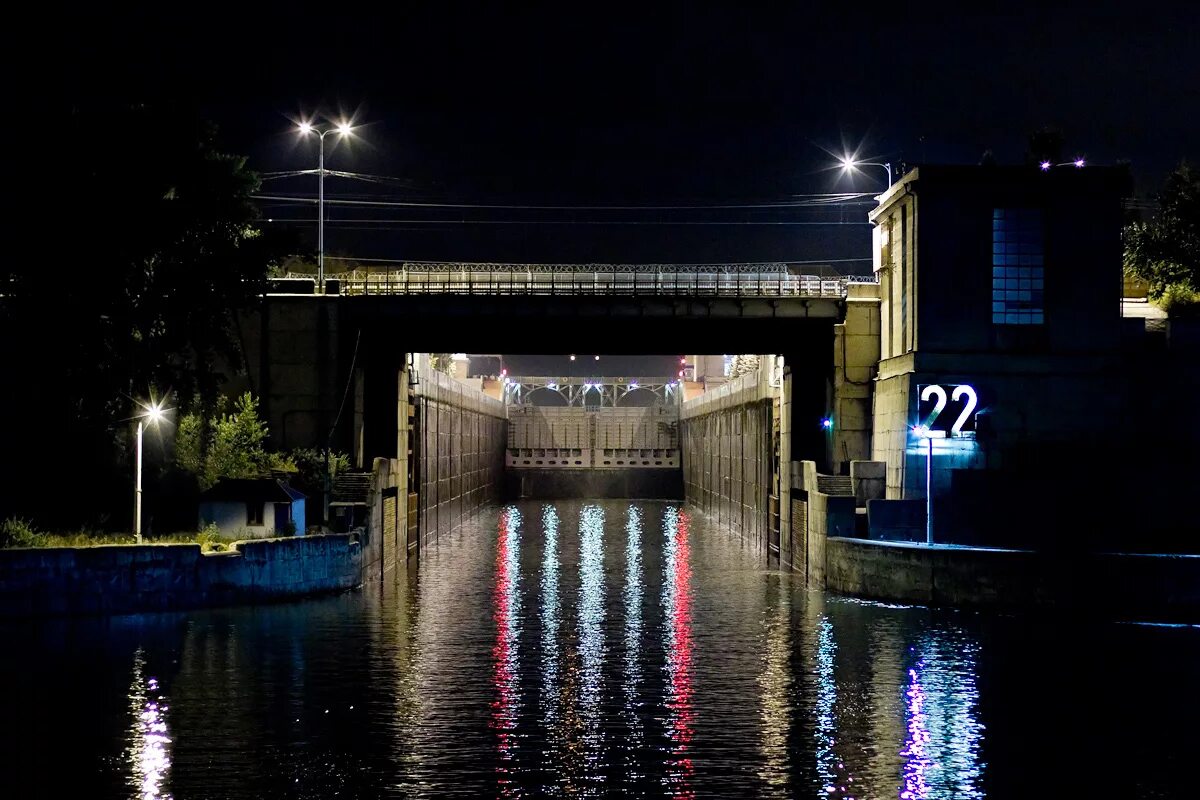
pixel 758 280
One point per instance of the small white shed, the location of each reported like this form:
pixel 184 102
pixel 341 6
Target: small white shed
pixel 248 508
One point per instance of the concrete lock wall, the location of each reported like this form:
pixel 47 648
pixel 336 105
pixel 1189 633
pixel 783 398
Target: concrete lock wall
pixel 1132 586
pixel 727 453
pixel 856 347
pixel 450 439
pixel 122 579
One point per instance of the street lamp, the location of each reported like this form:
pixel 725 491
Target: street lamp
pixel 153 414
pixel 1046 165
pixel 341 129
pixel 923 432
pixel 848 163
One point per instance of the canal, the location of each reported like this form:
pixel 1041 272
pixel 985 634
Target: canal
pixel 577 648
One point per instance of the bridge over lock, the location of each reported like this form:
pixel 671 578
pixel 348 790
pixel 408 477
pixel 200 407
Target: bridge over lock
pixel 341 365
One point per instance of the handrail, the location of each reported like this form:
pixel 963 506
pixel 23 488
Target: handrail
pixel 579 283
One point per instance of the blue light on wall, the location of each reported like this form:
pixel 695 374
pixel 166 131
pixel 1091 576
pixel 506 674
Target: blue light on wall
pixel 827 423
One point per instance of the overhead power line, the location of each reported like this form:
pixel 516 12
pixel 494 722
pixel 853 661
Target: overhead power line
pixel 366 223
pixel 809 202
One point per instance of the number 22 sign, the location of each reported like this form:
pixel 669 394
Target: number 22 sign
pixel 949 408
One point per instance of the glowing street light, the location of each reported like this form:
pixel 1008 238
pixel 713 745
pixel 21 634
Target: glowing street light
pixel 152 414
pixel 849 163
pixel 342 129
pixel 1046 165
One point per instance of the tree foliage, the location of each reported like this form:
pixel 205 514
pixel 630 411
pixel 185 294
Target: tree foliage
pixel 233 447
pixel 157 246
pixel 233 444
pixel 1165 251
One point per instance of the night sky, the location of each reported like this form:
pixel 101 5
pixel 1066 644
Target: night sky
pixel 602 104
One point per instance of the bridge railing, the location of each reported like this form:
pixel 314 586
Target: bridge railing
pixel 676 284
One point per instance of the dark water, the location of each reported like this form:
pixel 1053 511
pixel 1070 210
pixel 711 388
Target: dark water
pixel 588 648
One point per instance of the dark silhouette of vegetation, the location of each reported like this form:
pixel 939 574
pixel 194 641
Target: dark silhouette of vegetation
pixel 133 296
pixel 1165 250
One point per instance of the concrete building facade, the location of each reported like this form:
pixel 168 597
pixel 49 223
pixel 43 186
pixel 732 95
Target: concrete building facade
pixel 1007 281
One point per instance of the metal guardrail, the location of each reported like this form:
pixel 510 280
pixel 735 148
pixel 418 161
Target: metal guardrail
pixel 677 284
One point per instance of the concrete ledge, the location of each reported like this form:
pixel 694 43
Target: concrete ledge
pixel 1120 585
pixel 123 579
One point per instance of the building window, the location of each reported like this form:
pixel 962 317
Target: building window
pixel 254 513
pixel 1018 262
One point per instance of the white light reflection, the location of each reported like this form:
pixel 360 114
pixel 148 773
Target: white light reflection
pixel 775 683
pixel 506 708
pixel 941 750
pixel 149 749
pixel 591 636
pixel 677 607
pixel 633 639
pixel 551 703
pixel 836 780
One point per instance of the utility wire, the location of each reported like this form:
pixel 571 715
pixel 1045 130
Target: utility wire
pixel 829 200
pixel 615 222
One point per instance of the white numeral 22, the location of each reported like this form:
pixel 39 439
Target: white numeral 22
pixel 933 390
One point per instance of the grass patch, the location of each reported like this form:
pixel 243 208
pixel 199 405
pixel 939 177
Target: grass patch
pixel 16 532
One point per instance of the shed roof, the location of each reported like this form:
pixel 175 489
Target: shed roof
pixel 252 490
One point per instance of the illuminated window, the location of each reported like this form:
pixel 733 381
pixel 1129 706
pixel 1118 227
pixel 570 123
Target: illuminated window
pixel 1018 263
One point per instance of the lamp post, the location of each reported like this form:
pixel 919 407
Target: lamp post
pixel 305 128
pixel 924 432
pixel 153 414
pixel 849 163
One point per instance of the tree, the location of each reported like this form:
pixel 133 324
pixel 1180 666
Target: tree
pixel 234 448
pixel 135 293
pixel 1165 251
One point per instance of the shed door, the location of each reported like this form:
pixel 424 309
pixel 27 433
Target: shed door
pixel 283 515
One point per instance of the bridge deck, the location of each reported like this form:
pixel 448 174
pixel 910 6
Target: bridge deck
pixel 692 283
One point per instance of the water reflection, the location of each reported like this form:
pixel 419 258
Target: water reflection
pixel 149 745
pixel 942 747
pixel 677 605
pixel 662 658
pixel 550 701
pixel 775 684
pixel 592 648
pixel 835 778
pixel 632 664
pixel 506 652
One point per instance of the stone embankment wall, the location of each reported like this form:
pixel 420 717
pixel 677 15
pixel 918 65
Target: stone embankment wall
pixel 1125 585
pixel 123 579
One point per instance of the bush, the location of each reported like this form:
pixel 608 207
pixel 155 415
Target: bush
pixel 17 532
pixel 1178 299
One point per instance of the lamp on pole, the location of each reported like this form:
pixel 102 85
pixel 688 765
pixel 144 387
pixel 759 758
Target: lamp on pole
pixel 923 432
pixel 341 129
pixel 153 414
pixel 849 163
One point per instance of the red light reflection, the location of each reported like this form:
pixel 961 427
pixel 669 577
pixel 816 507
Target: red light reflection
pixel 681 715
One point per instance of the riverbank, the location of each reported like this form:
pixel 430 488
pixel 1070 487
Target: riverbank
pixel 124 579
